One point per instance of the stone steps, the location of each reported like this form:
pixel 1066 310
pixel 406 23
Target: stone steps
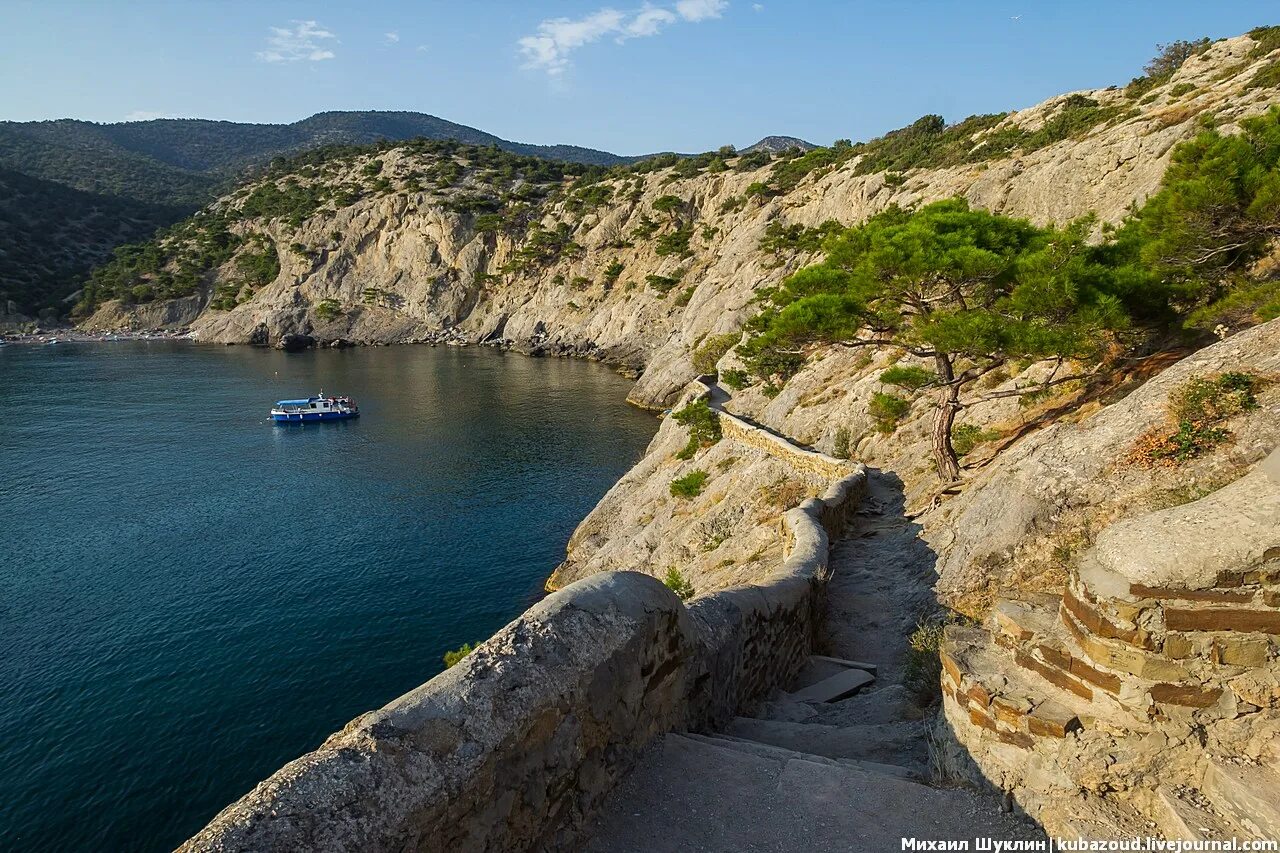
pixel 755 747
pixel 695 794
pixel 1249 794
pixel 901 743
pixel 840 685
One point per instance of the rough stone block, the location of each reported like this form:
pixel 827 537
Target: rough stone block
pixel 1241 651
pixel 1178 647
pixel 1189 696
pixel 1054 676
pixel 1052 720
pixel 1223 619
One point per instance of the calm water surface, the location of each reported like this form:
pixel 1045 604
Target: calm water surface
pixel 191 596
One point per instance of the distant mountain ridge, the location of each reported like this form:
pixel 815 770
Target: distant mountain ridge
pixel 774 144
pixel 104 184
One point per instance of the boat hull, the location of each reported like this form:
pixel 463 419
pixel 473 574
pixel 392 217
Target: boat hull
pixel 312 417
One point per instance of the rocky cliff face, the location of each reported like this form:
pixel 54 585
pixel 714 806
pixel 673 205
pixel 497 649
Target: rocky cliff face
pixel 436 272
pixel 641 284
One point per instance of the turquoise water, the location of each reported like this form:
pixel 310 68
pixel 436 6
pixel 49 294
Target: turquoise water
pixel 191 596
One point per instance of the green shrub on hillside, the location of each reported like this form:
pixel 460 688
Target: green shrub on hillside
pixel 911 377
pixel 965 437
pixel 1200 409
pixel 704 426
pixel 887 410
pixel 328 309
pixel 714 348
pixel 452 658
pixel 690 485
pixel 676 582
pixel 675 242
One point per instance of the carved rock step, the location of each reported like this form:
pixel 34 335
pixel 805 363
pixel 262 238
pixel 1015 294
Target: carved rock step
pixel 688 794
pixel 1188 816
pixel 887 704
pixel 819 668
pixel 901 743
pixel 1249 794
pixel 844 683
pixel 764 750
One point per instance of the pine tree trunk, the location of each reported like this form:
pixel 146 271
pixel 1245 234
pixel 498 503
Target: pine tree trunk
pixel 944 454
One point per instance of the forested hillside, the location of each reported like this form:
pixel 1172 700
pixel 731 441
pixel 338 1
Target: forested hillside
pixel 134 177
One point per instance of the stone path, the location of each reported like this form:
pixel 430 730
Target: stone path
pixel 845 775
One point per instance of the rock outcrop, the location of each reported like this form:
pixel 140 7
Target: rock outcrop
pixel 1146 698
pixel 436 273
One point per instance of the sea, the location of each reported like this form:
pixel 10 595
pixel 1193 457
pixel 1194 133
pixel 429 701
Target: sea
pixel 192 596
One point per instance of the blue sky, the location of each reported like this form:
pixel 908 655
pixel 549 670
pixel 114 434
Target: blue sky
pixel 629 77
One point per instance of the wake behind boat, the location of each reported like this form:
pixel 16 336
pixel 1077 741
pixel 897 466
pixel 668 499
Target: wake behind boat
pixel 312 409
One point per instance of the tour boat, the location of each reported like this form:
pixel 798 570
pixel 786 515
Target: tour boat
pixel 320 408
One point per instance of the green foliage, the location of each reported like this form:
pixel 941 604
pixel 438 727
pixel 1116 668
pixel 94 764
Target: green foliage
pixel 690 485
pixel 926 143
pixel 787 174
pixel 911 377
pixel 664 283
pixel 1217 212
pixel 1182 89
pixel 1267 38
pixel 669 204
pixel 841 444
pixel 646 229
pixel 887 410
pixel 676 582
pixel 923 671
pixel 613 270
pixel 328 309
pixel 736 379
pixel 452 658
pixel 1268 77
pixel 706 356
pixel 1171 57
pixel 779 238
pixel 675 242
pixel 965 437
pixel 1200 409
pixel 704 426
pixel 684 297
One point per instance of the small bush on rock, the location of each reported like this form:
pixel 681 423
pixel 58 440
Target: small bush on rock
pixel 704 427
pixel 453 657
pixel 1200 410
pixel 690 485
pixel 712 350
pixel 677 583
pixel 888 410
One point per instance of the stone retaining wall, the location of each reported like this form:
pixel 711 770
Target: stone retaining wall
pixel 516 746
pixel 734 427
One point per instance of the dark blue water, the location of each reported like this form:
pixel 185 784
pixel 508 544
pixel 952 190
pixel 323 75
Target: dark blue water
pixel 191 596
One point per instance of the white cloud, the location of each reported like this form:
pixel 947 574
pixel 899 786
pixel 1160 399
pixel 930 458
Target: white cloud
pixel 391 37
pixel 145 115
pixel 422 48
pixel 701 10
pixel 649 21
pixel 302 41
pixel 759 7
pixel 549 47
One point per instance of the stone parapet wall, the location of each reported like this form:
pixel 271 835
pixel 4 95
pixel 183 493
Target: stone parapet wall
pixel 754 435
pixel 515 747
